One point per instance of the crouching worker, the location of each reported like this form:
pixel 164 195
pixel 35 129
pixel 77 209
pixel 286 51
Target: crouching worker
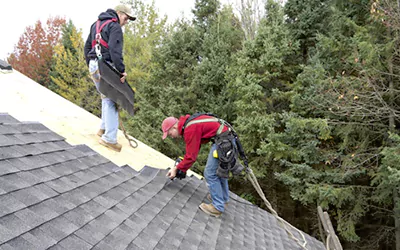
pixel 200 129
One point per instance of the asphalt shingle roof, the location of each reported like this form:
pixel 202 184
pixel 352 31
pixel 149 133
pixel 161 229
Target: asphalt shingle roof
pixel 57 196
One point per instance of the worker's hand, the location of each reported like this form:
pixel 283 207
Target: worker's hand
pixel 123 77
pixel 172 173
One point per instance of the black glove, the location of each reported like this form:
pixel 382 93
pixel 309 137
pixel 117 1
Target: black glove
pixel 180 174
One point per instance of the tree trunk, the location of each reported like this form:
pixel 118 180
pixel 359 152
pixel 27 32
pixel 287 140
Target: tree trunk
pixel 392 129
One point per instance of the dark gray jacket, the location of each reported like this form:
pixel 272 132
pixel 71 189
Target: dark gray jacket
pixel 112 34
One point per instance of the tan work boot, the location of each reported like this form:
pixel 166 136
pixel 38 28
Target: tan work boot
pixel 101 132
pixel 116 147
pixel 209 198
pixel 210 210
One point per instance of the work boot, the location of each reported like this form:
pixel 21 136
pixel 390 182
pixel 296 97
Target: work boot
pixel 101 132
pixel 116 147
pixel 209 198
pixel 210 210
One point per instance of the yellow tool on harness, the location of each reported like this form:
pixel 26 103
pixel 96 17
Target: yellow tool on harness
pixel 215 153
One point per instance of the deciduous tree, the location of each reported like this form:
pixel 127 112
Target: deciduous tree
pixel 34 52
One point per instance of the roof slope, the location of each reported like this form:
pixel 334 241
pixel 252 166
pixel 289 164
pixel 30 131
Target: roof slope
pixel 26 100
pixel 54 195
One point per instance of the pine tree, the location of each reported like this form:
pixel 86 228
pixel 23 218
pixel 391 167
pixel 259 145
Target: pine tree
pixel 70 73
pixel 258 83
pixel 347 82
pixel 306 19
pixel 222 40
pixel 166 92
pixel 205 11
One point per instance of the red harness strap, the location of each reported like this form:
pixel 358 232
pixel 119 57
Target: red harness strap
pixel 98 32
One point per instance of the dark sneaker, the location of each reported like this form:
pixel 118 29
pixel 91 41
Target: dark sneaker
pixel 101 132
pixel 116 147
pixel 210 210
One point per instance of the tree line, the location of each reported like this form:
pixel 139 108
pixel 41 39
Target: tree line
pixel 312 88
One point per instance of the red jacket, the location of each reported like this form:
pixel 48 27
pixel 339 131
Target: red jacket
pixel 194 136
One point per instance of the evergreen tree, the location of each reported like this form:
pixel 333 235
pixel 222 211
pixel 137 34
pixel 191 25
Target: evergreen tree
pixel 188 73
pixel 258 84
pixel 70 73
pixel 306 19
pixel 347 82
pixel 222 40
pixel 205 12
pixel 141 38
pixel 167 91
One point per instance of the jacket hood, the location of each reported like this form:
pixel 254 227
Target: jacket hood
pixel 109 14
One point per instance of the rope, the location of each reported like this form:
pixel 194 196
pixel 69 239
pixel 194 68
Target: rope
pixel 327 242
pixel 130 140
pixel 252 178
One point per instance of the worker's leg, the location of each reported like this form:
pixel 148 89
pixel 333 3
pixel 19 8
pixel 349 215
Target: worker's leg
pixel 95 74
pixel 225 189
pixel 216 185
pixel 110 121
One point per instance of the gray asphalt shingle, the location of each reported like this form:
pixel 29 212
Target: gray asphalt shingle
pixel 57 196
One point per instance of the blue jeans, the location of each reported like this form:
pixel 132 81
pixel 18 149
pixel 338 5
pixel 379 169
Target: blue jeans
pixel 109 112
pixel 218 187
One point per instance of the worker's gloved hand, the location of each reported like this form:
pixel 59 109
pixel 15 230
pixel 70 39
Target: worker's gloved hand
pixel 180 174
pixel 172 173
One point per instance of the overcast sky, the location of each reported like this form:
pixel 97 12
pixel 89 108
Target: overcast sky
pixel 16 15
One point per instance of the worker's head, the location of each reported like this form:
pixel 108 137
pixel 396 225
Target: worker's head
pixel 124 14
pixel 170 127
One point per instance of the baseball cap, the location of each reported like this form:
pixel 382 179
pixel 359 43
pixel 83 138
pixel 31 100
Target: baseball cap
pixel 167 124
pixel 125 9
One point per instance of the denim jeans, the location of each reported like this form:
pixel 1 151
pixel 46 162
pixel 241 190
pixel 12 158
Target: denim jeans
pixel 218 187
pixel 109 112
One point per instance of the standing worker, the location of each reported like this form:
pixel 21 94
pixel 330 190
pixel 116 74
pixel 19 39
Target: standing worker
pixel 107 33
pixel 200 129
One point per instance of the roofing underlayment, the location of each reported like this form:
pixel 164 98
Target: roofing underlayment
pixel 60 190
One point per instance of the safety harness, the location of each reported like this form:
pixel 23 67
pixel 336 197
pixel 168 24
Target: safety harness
pixel 98 40
pixel 227 143
pixel 96 43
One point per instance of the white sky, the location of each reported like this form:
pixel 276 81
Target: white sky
pixel 16 15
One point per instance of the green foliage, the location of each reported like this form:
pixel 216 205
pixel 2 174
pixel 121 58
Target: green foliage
pixel 306 19
pixel 141 37
pixel 345 84
pixel 313 96
pixel 388 177
pixel 220 43
pixel 190 64
pixel 165 93
pixel 70 74
pixel 205 11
